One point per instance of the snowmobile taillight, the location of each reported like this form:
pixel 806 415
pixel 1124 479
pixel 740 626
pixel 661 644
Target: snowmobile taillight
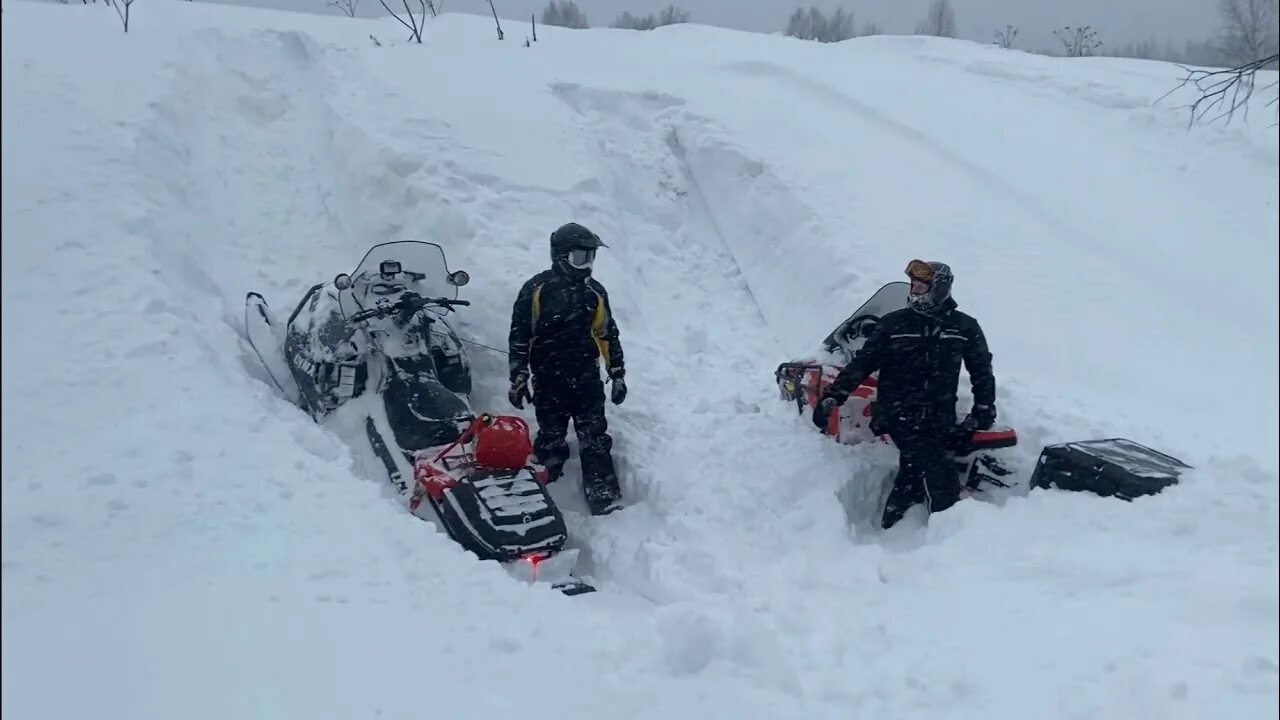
pixel 534 560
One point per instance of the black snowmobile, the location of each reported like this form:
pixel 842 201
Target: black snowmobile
pixel 372 356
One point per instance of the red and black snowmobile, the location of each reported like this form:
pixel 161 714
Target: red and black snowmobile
pixel 372 356
pixel 978 456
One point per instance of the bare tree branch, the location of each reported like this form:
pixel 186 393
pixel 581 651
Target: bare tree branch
pixel 124 15
pixel 495 19
pixel 1232 87
pixel 1079 41
pixel 346 7
pixel 414 25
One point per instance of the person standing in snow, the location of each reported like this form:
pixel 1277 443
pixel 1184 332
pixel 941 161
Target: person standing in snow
pixel 561 327
pixel 918 351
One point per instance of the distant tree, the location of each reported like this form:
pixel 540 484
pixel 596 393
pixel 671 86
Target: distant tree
pixel 1249 30
pixel 1078 41
pixel 564 13
pixel 840 27
pixel 627 21
pixel 671 15
pixel 346 7
pixel 940 20
pixel 870 29
pixel 1004 38
pixel 812 24
pixel 802 22
pixel 1200 53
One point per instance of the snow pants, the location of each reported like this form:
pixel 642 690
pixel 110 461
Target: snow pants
pixel 559 398
pixel 926 471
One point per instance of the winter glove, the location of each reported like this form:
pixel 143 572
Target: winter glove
pixel 980 417
pixel 619 391
pixel 822 412
pixel 519 391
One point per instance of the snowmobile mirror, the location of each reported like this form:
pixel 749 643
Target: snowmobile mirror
pixel 342 281
pixel 458 278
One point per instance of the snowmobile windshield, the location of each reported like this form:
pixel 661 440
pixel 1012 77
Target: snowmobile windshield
pixel 390 269
pixel 885 300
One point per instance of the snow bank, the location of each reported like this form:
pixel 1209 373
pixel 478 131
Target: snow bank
pixel 179 541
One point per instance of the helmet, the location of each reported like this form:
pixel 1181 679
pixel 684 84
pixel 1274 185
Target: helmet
pixel 573 249
pixel 937 276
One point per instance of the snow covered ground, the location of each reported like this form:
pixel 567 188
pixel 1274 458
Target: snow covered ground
pixel 179 542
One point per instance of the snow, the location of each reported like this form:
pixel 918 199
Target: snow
pixel 179 541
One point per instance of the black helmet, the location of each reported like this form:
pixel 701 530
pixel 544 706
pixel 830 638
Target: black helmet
pixel 938 277
pixel 573 249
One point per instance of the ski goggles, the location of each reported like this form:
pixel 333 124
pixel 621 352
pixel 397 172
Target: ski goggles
pixel 921 271
pixel 582 257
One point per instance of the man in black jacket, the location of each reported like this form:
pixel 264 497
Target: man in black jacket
pixel 918 351
pixel 561 326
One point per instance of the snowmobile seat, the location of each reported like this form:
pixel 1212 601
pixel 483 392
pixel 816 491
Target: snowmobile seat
pixel 1112 467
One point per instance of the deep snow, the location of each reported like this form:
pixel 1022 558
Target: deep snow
pixel 178 541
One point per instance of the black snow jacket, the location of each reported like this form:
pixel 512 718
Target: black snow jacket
pixel 919 358
pixel 561 326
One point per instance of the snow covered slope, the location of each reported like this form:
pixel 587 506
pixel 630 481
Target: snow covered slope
pixel 179 542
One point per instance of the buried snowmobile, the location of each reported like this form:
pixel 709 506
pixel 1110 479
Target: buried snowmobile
pixel 979 460
pixel 372 356
pixel 985 460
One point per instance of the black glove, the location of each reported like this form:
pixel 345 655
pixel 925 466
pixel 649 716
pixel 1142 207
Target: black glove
pixel 519 391
pixel 822 412
pixel 980 417
pixel 619 391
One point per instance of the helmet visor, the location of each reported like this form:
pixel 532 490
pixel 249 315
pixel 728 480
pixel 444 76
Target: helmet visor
pixel 582 258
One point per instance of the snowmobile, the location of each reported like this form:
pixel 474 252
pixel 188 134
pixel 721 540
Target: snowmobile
pixel 371 355
pixel 986 461
pixel 981 459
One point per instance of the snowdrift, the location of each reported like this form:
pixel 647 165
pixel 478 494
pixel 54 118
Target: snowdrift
pixel 179 541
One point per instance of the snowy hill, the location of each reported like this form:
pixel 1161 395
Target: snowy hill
pixel 180 542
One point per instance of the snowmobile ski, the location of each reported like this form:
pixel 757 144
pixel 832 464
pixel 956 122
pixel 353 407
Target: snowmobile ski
pixel 261 333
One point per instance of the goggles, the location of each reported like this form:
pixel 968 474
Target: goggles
pixel 582 258
pixel 919 270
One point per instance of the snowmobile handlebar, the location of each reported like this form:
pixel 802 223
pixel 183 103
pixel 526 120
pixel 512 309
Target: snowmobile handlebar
pixel 407 303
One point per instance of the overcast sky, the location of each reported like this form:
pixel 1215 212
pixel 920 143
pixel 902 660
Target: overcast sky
pixel 1117 21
